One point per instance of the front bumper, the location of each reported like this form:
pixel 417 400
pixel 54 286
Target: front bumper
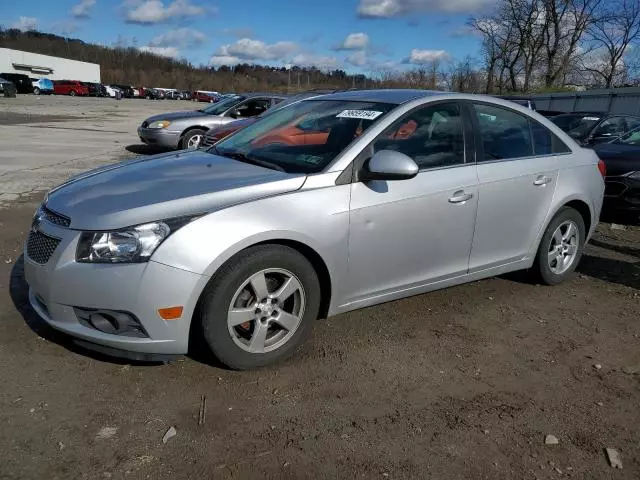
pixel 159 137
pixel 622 195
pixel 61 284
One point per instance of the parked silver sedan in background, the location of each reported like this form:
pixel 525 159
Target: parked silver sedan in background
pixel 328 205
pixel 186 129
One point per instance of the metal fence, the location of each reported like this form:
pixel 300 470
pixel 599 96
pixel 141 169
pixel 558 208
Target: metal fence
pixel 615 100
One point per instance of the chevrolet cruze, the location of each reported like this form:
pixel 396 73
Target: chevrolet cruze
pixel 391 193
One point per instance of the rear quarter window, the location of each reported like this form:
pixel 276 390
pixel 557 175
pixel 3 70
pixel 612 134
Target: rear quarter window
pixel 545 142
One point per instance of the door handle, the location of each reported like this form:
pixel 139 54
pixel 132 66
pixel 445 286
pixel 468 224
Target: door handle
pixel 460 197
pixel 542 180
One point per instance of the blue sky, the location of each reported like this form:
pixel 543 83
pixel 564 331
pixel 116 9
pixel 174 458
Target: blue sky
pixel 356 35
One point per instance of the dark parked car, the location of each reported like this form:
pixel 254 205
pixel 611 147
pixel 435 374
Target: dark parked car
pixel 7 88
pixel 95 89
pixel 22 82
pixel 592 128
pixel 622 181
pixel 127 90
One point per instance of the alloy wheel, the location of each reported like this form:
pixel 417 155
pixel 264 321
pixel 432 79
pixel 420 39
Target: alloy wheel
pixel 266 310
pixel 563 248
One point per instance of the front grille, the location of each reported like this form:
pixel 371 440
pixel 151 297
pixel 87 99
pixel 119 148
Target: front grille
pixel 55 218
pixel 40 247
pixel 145 124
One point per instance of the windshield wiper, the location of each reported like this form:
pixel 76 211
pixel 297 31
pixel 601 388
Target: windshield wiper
pixel 241 157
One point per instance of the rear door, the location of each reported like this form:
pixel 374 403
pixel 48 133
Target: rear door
pixel 517 173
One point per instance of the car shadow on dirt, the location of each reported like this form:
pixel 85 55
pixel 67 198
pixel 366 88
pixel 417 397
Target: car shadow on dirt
pixel 19 292
pixel 612 270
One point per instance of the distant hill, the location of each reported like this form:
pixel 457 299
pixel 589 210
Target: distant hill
pixel 132 67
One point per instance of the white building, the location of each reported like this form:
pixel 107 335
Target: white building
pixel 45 66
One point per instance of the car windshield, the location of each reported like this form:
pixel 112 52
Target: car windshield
pixel 577 126
pixel 631 138
pixel 304 137
pixel 223 105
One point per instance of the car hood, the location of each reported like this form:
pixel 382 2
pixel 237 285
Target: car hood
pixel 162 187
pixel 178 116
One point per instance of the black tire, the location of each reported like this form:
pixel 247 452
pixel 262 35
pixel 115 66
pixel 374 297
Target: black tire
pixel 36 91
pixel 219 293
pixel 72 93
pixel 189 135
pixel 541 267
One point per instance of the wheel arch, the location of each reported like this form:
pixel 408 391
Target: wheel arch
pixel 577 203
pixel 191 128
pixel 311 254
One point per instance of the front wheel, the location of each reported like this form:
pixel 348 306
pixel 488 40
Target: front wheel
pixel 260 306
pixel 192 139
pixel 561 247
pixel 36 91
pixel 72 93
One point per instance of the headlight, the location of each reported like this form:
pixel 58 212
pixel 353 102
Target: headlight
pixel 159 124
pixel 128 245
pixel 635 175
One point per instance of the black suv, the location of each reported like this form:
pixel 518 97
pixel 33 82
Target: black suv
pixel 22 82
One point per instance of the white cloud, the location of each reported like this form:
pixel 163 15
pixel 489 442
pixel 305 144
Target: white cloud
pixel 162 51
pixel 358 59
pixel 354 41
pixel 217 60
pixel 26 23
pixel 395 8
pixel 82 9
pixel 251 50
pixel 180 37
pixel 323 62
pixel 148 12
pixel 420 57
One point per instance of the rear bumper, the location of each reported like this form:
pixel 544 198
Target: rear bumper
pixel 159 137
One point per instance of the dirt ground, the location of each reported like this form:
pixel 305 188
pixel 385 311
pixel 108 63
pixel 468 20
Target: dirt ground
pixel 463 383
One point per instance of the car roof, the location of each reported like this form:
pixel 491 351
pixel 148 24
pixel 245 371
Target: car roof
pixel 396 96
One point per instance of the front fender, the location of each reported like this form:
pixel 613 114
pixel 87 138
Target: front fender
pixel 317 218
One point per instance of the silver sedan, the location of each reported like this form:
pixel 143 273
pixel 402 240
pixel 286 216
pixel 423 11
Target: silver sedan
pixel 328 205
pixel 185 130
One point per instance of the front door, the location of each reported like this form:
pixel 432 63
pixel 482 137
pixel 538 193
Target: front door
pixel 407 233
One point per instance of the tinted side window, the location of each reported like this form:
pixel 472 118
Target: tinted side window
pixel 545 142
pixel 611 126
pixel 505 134
pixel 432 136
pixel 632 123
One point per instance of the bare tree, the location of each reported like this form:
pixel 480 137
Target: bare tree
pixel 611 35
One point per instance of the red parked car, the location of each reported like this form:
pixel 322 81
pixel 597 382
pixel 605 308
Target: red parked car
pixel 204 96
pixel 70 87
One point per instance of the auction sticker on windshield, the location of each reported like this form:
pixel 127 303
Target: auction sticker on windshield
pixel 362 114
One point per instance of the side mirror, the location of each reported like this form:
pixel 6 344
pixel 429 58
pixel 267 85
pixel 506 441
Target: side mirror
pixel 389 165
pixel 234 113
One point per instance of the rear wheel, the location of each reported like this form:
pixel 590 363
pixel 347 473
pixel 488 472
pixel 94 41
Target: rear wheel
pixel 260 306
pixel 192 139
pixel 561 247
pixel 36 91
